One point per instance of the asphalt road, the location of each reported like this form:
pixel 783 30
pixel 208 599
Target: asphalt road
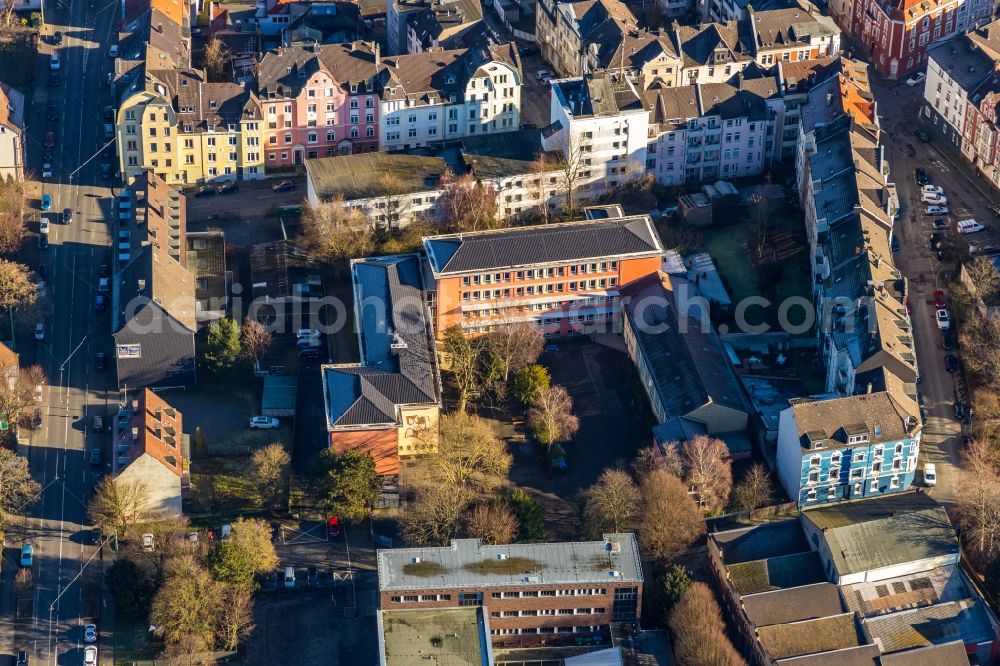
pixel 898 106
pixel 66 563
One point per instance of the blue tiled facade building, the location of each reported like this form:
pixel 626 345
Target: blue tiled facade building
pixel 848 448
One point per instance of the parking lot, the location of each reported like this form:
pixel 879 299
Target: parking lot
pixel 614 424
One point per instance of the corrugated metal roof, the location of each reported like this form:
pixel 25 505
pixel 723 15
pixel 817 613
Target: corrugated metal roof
pixel 471 563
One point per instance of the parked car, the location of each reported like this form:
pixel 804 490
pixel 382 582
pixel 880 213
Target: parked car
pixel 228 188
pixel 264 422
pixel 969 227
pixel 27 555
pixel 40 327
pixel 932 189
pixel 894 244
pixel 930 474
pixel 921 176
pixel 43 225
pixel 50 139
pixel 916 78
pixel 90 633
pixel 936 210
pixel 90 656
pixel 67 215
pixel 95 456
pixel 113 51
pixel 54 62
pixel 943 319
pixel 46 170
pixel 307 333
pixel 543 74
pixel 923 136
pixel 933 199
pixel 148 544
pixel 941 224
pixel 46 202
pixel 935 240
pixel 104 271
pixel 284 186
pixel 205 191
pixel 57 38
pixel 43 241
pixel 947 341
pixel 951 363
pixel 333 526
pixel 960 411
pixel 939 299
pixel 983 248
pixel 289 577
pixel 100 303
pixel 100 362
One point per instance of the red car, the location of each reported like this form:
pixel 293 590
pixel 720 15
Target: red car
pixel 332 526
pixel 50 139
pixel 939 300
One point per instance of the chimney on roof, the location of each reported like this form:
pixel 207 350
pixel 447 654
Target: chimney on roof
pixel 159 28
pixel 377 51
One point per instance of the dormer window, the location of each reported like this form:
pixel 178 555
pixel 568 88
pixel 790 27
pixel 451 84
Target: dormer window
pixel 857 439
pixel 211 128
pixel 818 443
pixel 450 80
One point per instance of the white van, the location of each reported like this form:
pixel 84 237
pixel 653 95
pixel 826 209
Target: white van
pixel 54 62
pixel 289 577
pixel 969 227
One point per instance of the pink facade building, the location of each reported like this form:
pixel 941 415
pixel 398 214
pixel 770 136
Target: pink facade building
pixel 319 101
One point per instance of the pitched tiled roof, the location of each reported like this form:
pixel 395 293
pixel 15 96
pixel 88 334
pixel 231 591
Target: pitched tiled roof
pixel 882 532
pixel 944 654
pixel 860 655
pixel 794 604
pixel 11 107
pixel 201 104
pixel 685 359
pixel 528 246
pixel 397 357
pixel 160 429
pixel 802 638
pixel 876 414
pixel 697 44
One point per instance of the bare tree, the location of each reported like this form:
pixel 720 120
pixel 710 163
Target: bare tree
pixel 19 391
pixel 269 471
pixel 670 520
pixel 469 455
pixel 980 340
pixel 118 504
pixel 707 469
pixel 236 619
pixel 650 458
pixel 514 346
pixel 551 417
pixel 570 170
pixel 187 607
pixel 467 205
pixel 12 201
pixel 699 632
pixel 392 200
pixel 759 214
pixel 8 23
pixel 17 487
pixel 331 231
pixel 611 503
pixel 435 515
pixel 979 501
pixel 493 522
pixel 754 491
pixel 984 277
pixel 256 338
pixel 463 358
pixel 16 288
pixel 214 59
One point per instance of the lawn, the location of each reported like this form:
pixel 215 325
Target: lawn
pixel 220 490
pixel 131 641
pixel 17 66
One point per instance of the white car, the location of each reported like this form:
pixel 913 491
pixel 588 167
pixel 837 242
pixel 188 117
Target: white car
pixel 307 333
pixel 934 199
pixel 40 331
pixel 932 189
pixel 264 422
pixel 113 51
pixel 46 170
pixel 916 79
pixel 943 319
pixel 90 633
pixel 930 474
pixel 543 74
pixel 43 226
pixel 90 656
pixel 54 62
pixel 936 210
pixel 969 227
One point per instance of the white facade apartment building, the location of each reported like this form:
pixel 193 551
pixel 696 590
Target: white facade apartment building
pixel 711 131
pixel 11 133
pixel 955 68
pixel 445 95
pixel 601 127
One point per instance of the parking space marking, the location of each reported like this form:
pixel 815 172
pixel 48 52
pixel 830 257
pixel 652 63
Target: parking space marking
pixel 304 536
